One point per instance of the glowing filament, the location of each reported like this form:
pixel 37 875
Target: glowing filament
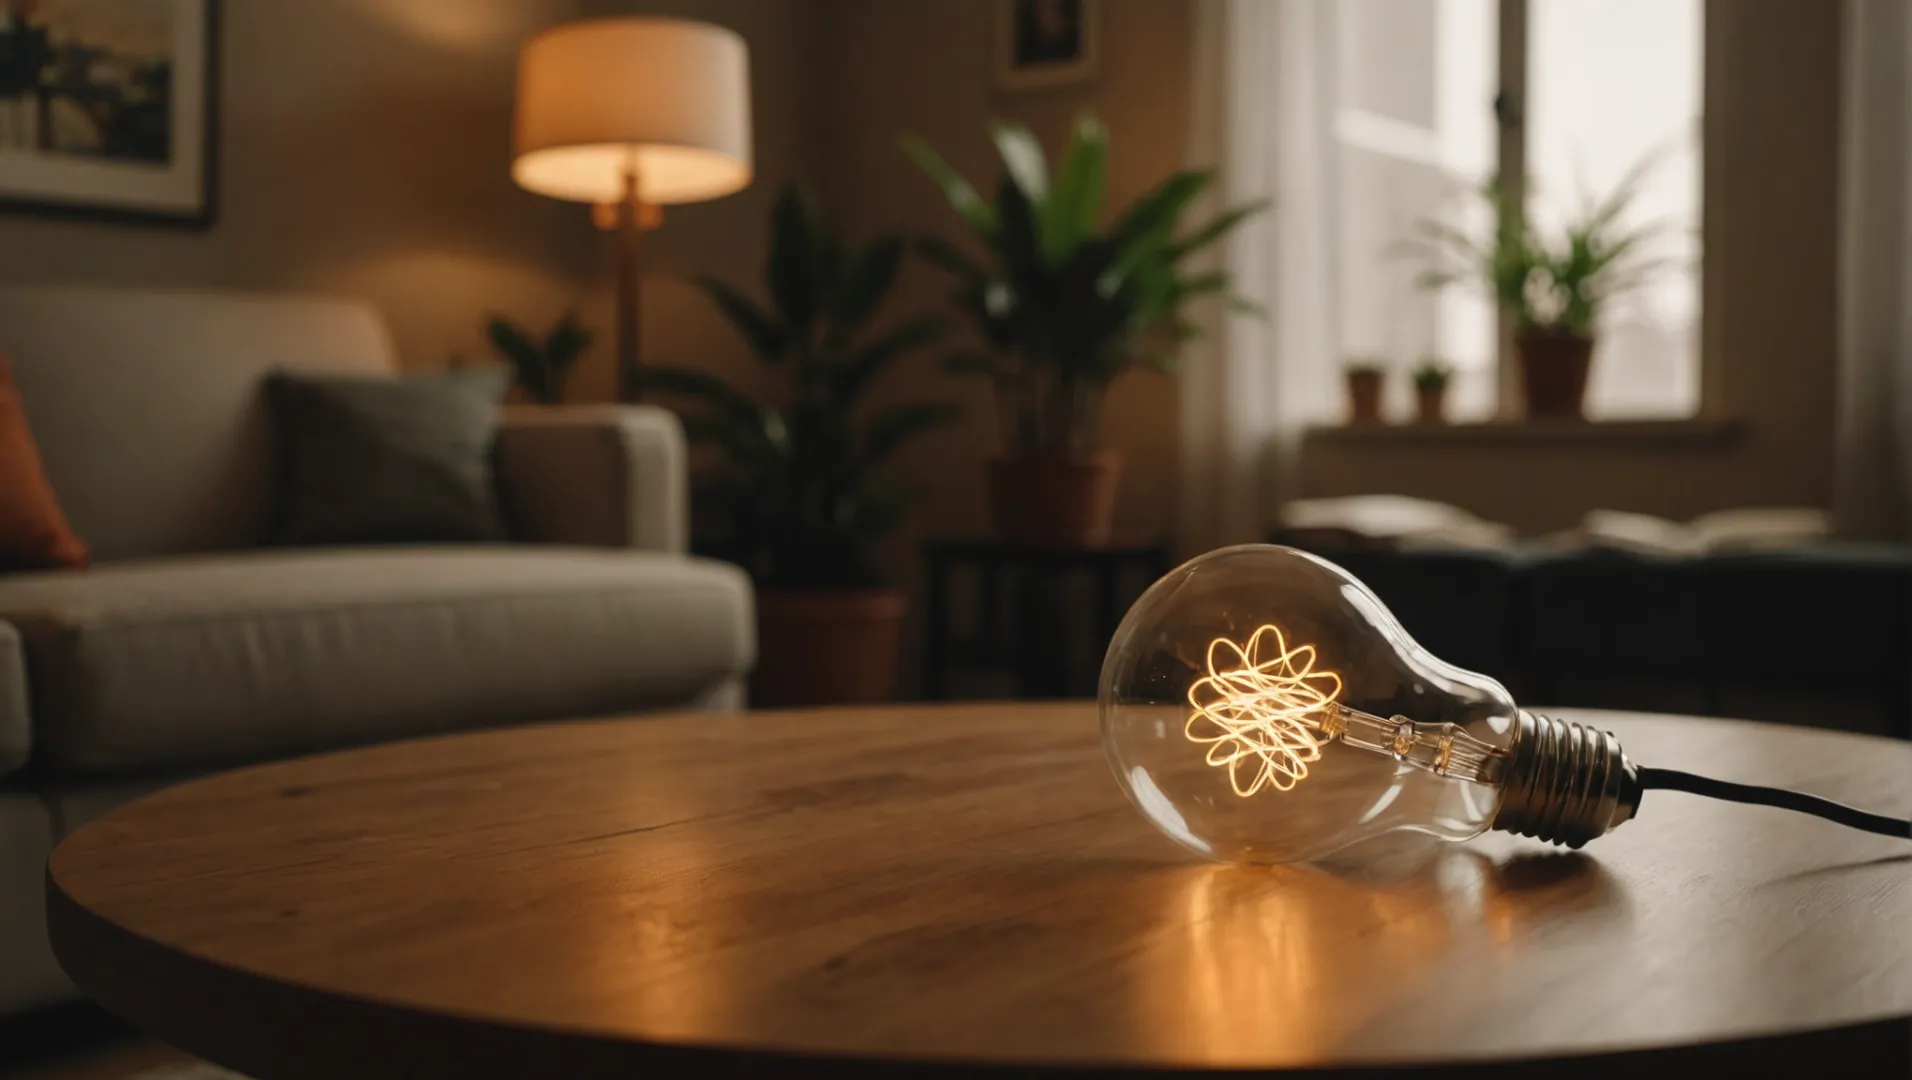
pixel 1260 710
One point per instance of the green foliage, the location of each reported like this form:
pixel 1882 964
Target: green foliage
pixel 1549 284
pixel 1062 308
pixel 1432 374
pixel 799 494
pixel 541 364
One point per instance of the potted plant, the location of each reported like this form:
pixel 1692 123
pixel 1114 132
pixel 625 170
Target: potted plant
pixel 541 364
pixel 1551 289
pixel 1430 391
pixel 1064 305
pixel 1365 381
pixel 799 495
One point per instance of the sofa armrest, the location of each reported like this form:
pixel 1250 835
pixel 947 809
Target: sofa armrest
pixel 16 727
pixel 599 475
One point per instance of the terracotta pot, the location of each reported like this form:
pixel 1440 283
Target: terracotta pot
pixel 826 646
pixel 1430 402
pixel 1364 396
pixel 1051 501
pixel 1553 374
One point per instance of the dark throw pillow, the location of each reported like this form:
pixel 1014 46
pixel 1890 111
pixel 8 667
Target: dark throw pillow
pixel 386 460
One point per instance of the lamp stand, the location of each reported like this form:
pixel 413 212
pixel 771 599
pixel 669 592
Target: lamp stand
pixel 630 290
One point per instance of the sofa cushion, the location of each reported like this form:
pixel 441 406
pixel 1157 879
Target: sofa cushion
pixel 144 665
pixel 383 460
pixel 147 404
pixel 1611 613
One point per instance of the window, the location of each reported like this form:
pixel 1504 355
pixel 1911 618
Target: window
pixel 1591 89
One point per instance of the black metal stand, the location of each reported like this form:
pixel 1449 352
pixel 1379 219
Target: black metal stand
pixel 1035 644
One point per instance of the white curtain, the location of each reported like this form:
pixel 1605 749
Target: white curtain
pixel 1874 448
pixel 1264 73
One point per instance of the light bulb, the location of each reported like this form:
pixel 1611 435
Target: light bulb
pixel 1259 704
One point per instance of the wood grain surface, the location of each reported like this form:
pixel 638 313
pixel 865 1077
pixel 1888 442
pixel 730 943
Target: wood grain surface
pixel 948 887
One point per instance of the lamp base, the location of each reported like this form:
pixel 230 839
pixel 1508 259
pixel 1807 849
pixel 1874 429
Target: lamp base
pixel 650 216
pixel 630 288
pixel 1565 783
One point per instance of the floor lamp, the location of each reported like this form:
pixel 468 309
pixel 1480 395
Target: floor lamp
pixel 630 115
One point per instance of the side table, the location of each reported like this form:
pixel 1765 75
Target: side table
pixel 1032 634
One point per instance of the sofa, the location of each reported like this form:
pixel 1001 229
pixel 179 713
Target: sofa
pixel 1818 635
pixel 190 645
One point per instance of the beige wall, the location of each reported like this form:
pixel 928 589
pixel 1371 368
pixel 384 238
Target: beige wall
pixel 1771 187
pixel 923 67
pixel 365 153
pixel 366 148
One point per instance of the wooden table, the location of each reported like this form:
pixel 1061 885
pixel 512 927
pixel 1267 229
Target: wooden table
pixel 838 890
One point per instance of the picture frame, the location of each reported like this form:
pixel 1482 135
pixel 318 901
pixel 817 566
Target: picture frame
pixel 1044 44
pixel 109 110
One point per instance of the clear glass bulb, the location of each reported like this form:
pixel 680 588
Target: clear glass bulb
pixel 1259 704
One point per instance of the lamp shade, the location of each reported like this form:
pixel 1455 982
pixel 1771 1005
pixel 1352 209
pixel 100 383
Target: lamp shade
pixel 670 97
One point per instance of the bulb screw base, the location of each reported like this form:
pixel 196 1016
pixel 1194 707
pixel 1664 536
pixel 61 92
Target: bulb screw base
pixel 1565 783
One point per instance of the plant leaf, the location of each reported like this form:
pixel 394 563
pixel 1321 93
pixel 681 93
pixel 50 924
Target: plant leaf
pixel 743 442
pixel 867 281
pixel 790 274
pixel 960 193
pixel 526 358
pixel 889 430
pixel 867 362
pixel 758 327
pixel 565 343
pixel 1142 233
pixel 1022 159
pixel 1075 199
pixel 1216 229
pixel 1157 211
pixel 1205 284
pixel 1018 237
pixel 950 257
pixel 703 386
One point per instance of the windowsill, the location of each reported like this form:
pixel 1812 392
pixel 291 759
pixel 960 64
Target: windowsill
pixel 1688 432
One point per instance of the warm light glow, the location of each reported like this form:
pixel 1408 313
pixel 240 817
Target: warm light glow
pixel 1259 710
pixel 664 100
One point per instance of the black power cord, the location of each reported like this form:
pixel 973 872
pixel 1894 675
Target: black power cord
pixel 1674 780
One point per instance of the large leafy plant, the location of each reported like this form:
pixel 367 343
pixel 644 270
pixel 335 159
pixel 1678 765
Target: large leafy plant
pixel 1064 304
pixel 800 493
pixel 1549 283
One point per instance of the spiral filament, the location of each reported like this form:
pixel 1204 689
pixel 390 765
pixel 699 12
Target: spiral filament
pixel 1261 709
pixel 1264 713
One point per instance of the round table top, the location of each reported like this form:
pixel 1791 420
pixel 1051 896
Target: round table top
pixel 953 885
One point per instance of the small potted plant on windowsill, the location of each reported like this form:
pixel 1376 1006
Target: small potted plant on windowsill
pixel 1366 380
pixel 800 495
pixel 1430 391
pixel 1064 305
pixel 1550 289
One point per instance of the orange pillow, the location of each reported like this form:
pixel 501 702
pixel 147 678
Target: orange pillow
pixel 34 534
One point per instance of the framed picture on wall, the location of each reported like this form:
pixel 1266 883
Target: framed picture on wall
pixel 108 108
pixel 1047 43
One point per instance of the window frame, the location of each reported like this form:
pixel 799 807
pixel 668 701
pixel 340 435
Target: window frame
pixel 1513 41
